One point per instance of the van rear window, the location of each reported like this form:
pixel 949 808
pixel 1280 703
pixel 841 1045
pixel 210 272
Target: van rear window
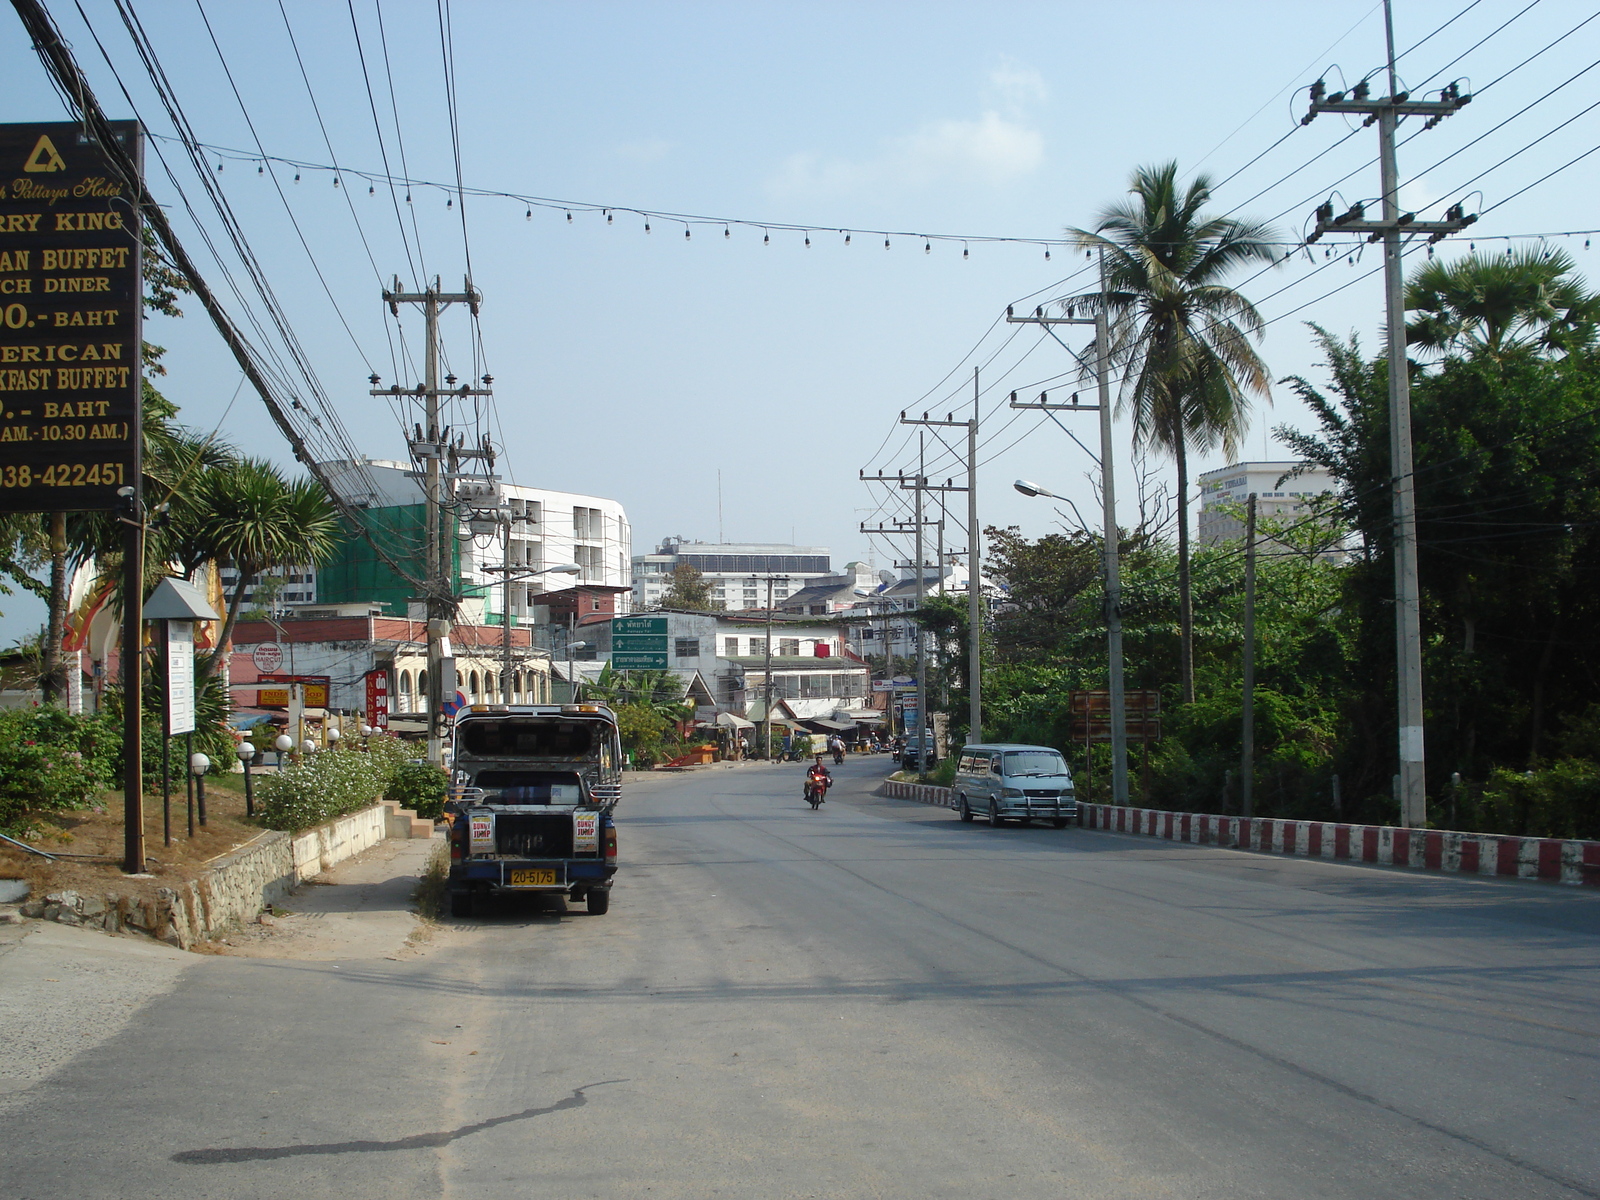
pixel 527 738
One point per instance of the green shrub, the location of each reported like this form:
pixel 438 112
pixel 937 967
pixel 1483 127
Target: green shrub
pixel 1559 801
pixel 321 787
pixel 419 786
pixel 52 760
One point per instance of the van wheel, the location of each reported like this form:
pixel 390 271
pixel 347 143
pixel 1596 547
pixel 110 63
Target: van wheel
pixel 599 900
pixel 994 814
pixel 966 813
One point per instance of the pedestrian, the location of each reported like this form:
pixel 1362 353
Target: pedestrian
pixel 744 746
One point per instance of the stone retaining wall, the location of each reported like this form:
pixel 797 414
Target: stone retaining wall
pixel 1553 859
pixel 231 890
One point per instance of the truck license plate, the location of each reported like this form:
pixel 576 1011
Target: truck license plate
pixel 533 877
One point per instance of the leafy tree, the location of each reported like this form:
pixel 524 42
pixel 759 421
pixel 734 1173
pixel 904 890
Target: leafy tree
pixel 688 588
pixel 1499 304
pixel 255 519
pixel 1180 337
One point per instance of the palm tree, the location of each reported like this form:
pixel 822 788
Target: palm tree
pixel 255 519
pixel 1181 338
pixel 1500 304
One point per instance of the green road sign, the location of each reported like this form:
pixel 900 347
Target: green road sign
pixel 638 660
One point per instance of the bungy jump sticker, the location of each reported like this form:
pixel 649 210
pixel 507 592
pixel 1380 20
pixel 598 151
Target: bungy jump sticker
pixel 585 833
pixel 482 833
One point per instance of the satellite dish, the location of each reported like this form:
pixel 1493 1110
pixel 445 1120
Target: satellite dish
pixel 888 577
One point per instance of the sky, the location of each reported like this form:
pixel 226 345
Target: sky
pixel 733 384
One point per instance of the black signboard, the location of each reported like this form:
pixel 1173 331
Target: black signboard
pixel 69 319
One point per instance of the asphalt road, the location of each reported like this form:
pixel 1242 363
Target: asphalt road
pixel 876 1000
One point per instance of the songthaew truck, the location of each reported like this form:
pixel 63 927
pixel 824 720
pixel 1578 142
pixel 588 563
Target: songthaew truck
pixel 532 793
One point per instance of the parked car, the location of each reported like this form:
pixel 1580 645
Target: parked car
pixel 1008 781
pixel 907 756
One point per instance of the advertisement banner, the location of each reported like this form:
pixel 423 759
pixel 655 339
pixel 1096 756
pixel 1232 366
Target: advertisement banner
pixel 378 699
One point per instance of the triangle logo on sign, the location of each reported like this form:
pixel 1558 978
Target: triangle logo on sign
pixel 45 157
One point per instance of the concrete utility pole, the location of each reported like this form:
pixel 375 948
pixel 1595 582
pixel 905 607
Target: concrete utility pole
pixel 430 447
pixel 1247 733
pixel 899 529
pixel 974 599
pixel 766 712
pixel 1108 498
pixel 1387 111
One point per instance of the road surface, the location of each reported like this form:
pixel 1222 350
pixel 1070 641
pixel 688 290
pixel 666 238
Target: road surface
pixel 872 1000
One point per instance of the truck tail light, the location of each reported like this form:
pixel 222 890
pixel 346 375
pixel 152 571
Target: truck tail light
pixel 611 842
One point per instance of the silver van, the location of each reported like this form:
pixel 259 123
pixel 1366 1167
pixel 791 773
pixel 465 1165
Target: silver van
pixel 1006 781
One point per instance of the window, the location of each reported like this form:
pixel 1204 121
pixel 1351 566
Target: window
pixel 758 646
pixel 473 684
pixel 405 691
pixel 686 647
pixel 730 647
pixel 789 646
pixel 422 689
pixel 819 610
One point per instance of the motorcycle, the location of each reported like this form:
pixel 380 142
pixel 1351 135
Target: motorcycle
pixel 838 757
pixel 816 789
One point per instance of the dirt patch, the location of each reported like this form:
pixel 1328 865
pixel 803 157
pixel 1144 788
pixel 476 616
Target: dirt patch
pixel 97 832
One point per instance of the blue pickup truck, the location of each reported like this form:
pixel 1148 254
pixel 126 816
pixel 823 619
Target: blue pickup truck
pixel 533 789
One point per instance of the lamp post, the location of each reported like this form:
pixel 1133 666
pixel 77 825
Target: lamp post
pixel 246 752
pixel 1119 728
pixel 282 745
pixel 508 574
pixel 199 764
pixel 572 682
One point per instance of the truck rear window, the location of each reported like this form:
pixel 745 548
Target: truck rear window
pixel 528 738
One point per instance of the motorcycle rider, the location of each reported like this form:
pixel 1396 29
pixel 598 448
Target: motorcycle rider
pixel 836 748
pixel 819 777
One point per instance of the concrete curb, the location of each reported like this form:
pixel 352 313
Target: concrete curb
pixel 235 887
pixel 1556 860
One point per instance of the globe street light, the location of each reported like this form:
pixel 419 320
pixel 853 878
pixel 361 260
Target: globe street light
pixel 1113 585
pixel 246 752
pixel 199 764
pixel 283 745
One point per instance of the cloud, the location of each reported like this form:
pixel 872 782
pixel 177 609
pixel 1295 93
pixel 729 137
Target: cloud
pixel 1015 86
pixel 992 150
pixel 650 151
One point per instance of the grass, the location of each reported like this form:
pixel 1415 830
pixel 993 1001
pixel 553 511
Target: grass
pixel 430 894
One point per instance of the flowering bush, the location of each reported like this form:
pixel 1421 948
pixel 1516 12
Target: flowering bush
pixel 50 759
pixel 321 787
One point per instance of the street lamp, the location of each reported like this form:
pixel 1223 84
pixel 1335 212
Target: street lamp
pixel 572 682
pixel 333 735
pixel 282 745
pixel 1119 725
pixel 199 764
pixel 246 752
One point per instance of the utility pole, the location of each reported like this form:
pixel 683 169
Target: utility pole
pixel 974 600
pixel 1108 499
pixel 1247 735
pixel 430 446
pixel 1386 113
pixel 766 711
pixel 898 529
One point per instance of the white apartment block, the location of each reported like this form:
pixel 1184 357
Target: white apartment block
pixel 1279 493
pixel 548 528
pixel 736 571
pixel 273 589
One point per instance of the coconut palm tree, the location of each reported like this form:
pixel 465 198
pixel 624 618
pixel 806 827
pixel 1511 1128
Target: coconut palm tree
pixel 255 519
pixel 1499 304
pixel 1180 337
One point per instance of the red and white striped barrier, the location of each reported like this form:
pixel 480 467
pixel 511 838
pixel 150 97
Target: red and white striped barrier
pixel 1555 859
pixel 922 793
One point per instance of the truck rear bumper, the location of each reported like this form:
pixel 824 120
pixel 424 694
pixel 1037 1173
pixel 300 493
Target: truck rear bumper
pixel 533 875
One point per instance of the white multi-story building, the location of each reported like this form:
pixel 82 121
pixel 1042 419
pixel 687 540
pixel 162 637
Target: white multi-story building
pixel 1279 493
pixel 737 572
pixel 272 589
pixel 547 528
